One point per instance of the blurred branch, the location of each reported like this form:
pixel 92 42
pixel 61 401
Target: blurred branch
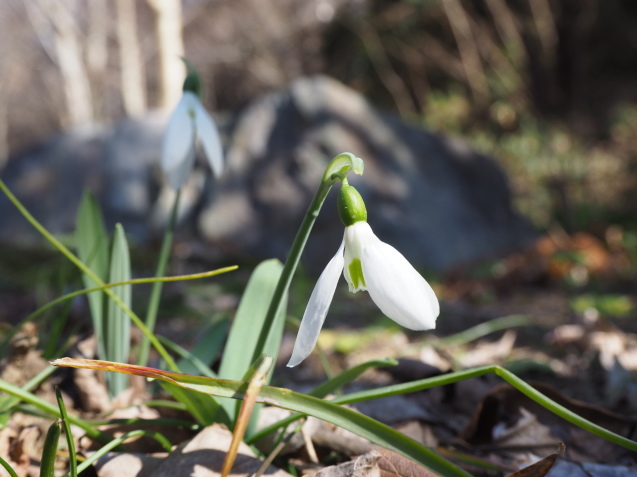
pixel 461 28
pixel 507 26
pixel 390 79
pixel 545 26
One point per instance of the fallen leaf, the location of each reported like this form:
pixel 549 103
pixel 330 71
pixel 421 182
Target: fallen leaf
pixel 541 468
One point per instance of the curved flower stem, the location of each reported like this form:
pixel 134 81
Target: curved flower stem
pixel 155 295
pixel 337 169
pixel 82 266
pixel 290 264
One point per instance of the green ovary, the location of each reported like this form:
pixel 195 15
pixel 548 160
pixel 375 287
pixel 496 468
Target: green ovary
pixel 356 274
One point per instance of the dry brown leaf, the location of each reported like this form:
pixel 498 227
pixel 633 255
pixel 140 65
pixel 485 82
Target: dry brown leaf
pixel 377 463
pixel 504 403
pixel 203 456
pixel 541 468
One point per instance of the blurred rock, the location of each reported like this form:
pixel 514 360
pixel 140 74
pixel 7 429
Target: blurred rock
pixel 432 197
pixel 116 164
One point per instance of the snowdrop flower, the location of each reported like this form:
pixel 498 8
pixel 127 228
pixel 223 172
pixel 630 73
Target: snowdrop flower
pixel 188 123
pixel 394 285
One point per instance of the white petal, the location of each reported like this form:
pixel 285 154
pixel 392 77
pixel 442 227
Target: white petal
pixel 178 153
pixel 209 138
pixel 397 288
pixel 316 310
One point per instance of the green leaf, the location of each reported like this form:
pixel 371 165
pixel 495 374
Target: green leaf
pixel 206 348
pixel 67 431
pixel 92 249
pixel 50 409
pixel 117 322
pixel 47 463
pixel 348 419
pixel 247 326
pixel 323 390
pixel 163 441
pixel 203 407
pixel 8 468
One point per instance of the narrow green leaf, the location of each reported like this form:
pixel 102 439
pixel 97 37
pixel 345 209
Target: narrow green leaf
pixel 138 281
pixel 8 468
pixel 247 326
pixel 67 431
pixel 165 443
pixel 155 294
pixel 348 419
pixel 348 376
pixel 92 249
pixel 321 391
pixel 8 401
pixel 203 407
pixel 50 409
pixel 47 464
pixel 206 348
pixel 118 325
pixel 80 264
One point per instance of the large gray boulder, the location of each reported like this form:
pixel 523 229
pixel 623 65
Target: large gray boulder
pixel 435 199
pixel 432 197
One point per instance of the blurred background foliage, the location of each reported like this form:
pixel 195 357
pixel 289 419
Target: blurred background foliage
pixel 546 87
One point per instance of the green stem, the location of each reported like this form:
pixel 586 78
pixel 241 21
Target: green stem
pixel 85 291
pixel 155 295
pixel 8 468
pixel 291 263
pixel 165 443
pixel 79 264
pixel 50 409
pixel 450 378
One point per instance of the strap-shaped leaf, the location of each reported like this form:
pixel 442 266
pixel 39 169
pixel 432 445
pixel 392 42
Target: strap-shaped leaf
pixel 117 322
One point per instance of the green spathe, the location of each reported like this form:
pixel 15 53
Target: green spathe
pixel 351 208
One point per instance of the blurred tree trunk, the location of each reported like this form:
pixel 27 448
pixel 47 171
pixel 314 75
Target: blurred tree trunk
pixel 97 53
pixel 168 27
pixel 132 74
pixel 69 58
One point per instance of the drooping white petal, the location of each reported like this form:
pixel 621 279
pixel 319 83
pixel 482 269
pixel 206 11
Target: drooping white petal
pixel 397 288
pixel 209 138
pixel 316 310
pixel 178 153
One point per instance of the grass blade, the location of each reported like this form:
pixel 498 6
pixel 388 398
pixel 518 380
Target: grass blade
pixel 207 347
pixel 92 249
pixel 165 443
pixel 137 281
pixel 47 463
pixel 323 390
pixel 360 424
pixel 67 432
pixel 117 323
pixel 155 295
pixel 50 409
pixel 8 468
pixel 82 266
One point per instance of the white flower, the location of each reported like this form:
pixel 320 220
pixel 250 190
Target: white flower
pixel 369 264
pixel 189 122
